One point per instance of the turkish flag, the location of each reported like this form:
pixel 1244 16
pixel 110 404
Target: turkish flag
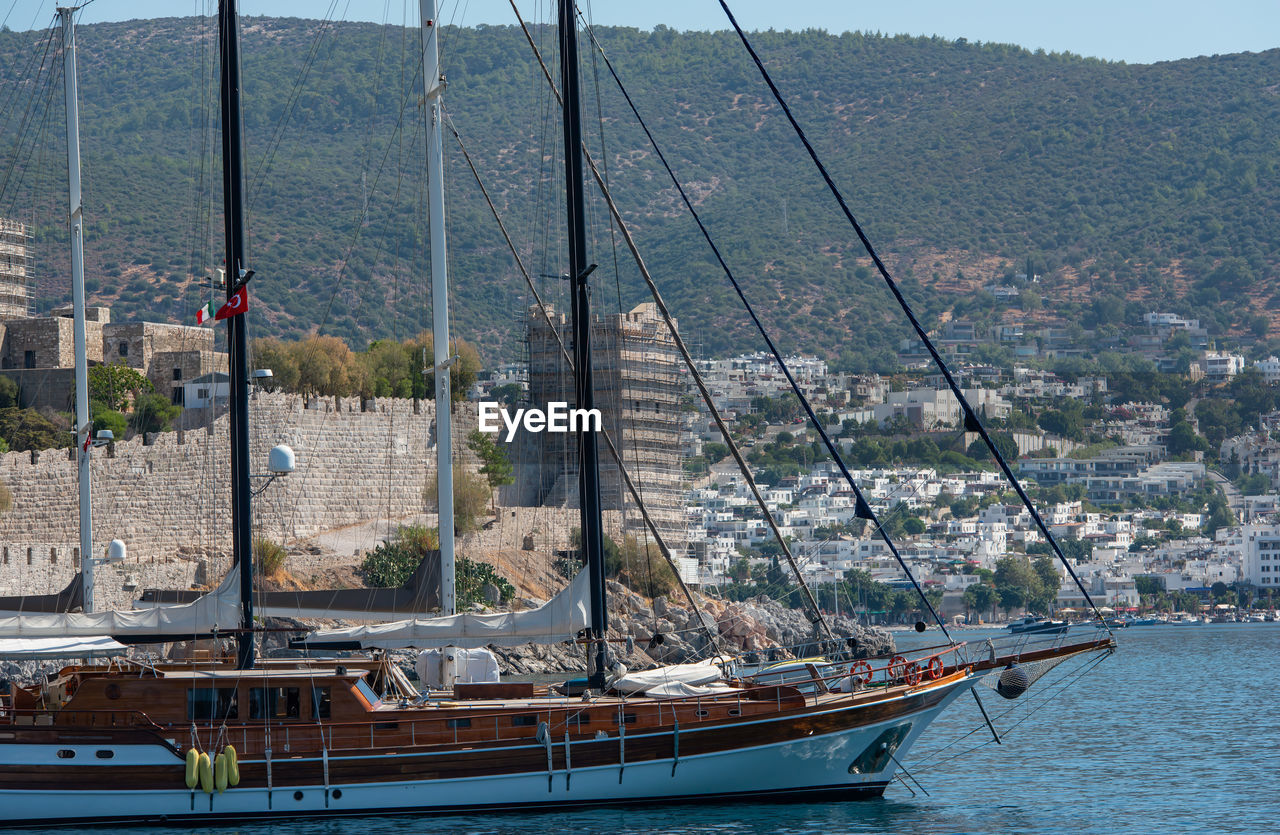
pixel 237 304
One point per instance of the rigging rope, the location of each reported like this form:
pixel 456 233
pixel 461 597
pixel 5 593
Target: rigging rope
pixel 815 613
pixel 564 351
pixel 863 508
pixel 971 421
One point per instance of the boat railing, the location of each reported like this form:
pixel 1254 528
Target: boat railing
pixel 909 667
pixel 103 719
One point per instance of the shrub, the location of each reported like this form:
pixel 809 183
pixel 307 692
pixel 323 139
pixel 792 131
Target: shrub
pixel 269 556
pixel 470 578
pixel 392 563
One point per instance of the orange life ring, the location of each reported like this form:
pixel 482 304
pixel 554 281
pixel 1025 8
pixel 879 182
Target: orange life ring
pixel 912 673
pixel 860 672
pixel 897 667
pixel 935 668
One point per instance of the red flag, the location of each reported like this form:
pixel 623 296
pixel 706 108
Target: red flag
pixel 237 304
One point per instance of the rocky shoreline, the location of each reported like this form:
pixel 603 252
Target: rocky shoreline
pixel 646 634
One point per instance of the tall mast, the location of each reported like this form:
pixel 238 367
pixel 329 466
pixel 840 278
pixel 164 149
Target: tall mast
pixel 76 215
pixel 588 453
pixel 238 360
pixel 434 87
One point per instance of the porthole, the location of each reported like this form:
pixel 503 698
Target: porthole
pixel 66 754
pixel 733 711
pixel 297 795
pixel 337 794
pixel 703 714
pixel 105 754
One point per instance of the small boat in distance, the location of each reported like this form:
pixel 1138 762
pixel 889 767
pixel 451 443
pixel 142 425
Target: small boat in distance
pixel 1037 625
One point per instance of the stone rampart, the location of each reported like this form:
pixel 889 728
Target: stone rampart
pixel 353 465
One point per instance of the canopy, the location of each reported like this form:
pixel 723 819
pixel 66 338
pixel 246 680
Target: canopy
pixel 219 608
pixel 559 619
pixel 27 649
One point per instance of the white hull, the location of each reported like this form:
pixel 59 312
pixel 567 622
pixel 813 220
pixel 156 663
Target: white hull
pixel 814 765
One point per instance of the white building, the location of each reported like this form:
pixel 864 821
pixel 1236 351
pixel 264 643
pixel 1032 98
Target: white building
pixel 1222 366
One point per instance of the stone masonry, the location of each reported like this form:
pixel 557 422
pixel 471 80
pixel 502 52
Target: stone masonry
pixel 173 494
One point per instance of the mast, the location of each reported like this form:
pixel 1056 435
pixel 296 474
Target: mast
pixel 238 360
pixel 588 453
pixel 76 216
pixel 434 87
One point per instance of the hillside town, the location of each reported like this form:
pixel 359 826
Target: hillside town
pixel 1152 500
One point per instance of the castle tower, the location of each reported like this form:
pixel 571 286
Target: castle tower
pixel 15 240
pixel 637 390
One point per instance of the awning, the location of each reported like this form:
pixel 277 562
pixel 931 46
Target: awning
pixel 28 649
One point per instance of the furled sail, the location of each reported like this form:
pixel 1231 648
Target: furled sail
pixel 219 609
pixel 559 619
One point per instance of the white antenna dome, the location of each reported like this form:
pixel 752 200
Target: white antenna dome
pixel 281 460
pixel 116 551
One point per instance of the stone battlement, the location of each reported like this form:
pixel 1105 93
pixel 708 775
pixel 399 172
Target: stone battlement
pixel 353 464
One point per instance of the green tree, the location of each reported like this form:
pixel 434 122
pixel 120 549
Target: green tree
pixel 152 413
pixel 495 464
pixel 115 384
pixel 26 429
pixel 980 597
pixel 8 392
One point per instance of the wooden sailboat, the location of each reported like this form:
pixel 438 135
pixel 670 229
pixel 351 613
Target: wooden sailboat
pixel 223 738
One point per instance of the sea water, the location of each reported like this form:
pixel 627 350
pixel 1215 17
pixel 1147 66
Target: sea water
pixel 1178 731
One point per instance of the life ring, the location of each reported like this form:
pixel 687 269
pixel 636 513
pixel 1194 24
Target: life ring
pixel 897 667
pixel 935 668
pixel 912 673
pixel 860 672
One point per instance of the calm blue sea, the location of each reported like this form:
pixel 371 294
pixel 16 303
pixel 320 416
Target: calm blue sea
pixel 1179 731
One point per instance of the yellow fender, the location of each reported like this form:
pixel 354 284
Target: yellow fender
pixel 205 769
pixel 220 773
pixel 233 766
pixel 193 758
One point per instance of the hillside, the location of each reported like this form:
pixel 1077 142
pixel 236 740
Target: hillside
pixel 1127 187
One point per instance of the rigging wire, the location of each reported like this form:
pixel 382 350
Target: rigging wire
pixel 815 613
pixel 863 508
pixel 568 360
pixel 971 420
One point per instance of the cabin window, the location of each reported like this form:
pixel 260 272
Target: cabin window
pixel 527 721
pixel 105 754
pixel 212 703
pixel 367 692
pixel 583 719
pixel 458 723
pixel 628 718
pixel 275 703
pixel 320 703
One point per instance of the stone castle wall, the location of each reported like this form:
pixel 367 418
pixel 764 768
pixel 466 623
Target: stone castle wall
pixel 174 495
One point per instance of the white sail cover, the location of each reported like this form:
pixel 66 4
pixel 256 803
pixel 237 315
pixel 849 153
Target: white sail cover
pixel 25 649
pixel 219 609
pixel 559 619
pixel 671 680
